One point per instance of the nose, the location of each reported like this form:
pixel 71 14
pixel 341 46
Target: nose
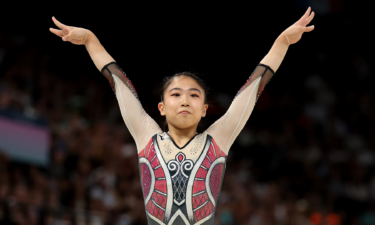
pixel 185 101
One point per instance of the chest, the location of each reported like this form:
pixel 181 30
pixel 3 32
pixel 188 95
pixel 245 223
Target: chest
pixel 184 181
pixel 191 152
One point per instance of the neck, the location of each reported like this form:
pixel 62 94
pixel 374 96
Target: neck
pixel 182 136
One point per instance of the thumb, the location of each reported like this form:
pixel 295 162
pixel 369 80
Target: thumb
pixel 66 38
pixel 309 28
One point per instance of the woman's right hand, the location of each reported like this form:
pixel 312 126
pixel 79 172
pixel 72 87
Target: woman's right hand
pixel 75 35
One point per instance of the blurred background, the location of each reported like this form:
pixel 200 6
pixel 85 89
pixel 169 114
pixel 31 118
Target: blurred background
pixel 306 155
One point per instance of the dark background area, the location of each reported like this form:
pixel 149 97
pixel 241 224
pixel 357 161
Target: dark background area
pixel 306 155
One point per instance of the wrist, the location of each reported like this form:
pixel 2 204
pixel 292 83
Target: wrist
pixel 282 40
pixel 90 37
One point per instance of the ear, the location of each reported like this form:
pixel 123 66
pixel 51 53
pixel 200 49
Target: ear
pixel 205 107
pixel 161 108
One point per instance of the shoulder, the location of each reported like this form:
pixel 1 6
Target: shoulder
pixel 162 134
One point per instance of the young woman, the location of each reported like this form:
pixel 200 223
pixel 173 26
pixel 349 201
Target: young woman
pixel 182 171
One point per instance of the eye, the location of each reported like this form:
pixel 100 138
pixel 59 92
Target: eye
pixel 195 95
pixel 176 94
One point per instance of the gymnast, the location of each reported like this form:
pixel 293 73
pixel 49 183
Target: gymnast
pixel 181 170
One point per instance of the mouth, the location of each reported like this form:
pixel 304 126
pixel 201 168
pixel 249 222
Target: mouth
pixel 185 112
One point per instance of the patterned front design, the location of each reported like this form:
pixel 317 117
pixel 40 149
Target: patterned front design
pixel 205 191
pixel 146 179
pixel 156 193
pixel 179 170
pixel 181 191
pixel 216 183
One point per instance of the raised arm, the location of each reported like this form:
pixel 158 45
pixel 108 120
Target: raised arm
pixel 140 124
pixel 226 129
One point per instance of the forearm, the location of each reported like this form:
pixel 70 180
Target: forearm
pixel 277 53
pixel 98 54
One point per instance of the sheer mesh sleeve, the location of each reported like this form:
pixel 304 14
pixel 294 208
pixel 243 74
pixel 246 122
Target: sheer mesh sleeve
pixel 113 69
pixel 141 126
pixel 226 129
pixel 266 73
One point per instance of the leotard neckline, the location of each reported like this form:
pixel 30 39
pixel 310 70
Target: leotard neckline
pixel 185 144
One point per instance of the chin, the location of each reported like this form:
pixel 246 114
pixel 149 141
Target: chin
pixel 185 124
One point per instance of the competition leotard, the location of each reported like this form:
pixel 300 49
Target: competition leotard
pixel 181 185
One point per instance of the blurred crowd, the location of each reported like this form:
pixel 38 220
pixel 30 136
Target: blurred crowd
pixel 305 157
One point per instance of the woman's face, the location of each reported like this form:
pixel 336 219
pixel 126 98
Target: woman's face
pixel 183 103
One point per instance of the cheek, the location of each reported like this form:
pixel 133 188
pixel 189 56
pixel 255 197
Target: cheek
pixel 198 106
pixel 170 104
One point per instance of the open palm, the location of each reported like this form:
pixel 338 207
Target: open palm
pixel 74 35
pixel 294 33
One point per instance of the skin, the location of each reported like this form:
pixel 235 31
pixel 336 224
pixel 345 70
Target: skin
pixel 183 94
pixel 183 127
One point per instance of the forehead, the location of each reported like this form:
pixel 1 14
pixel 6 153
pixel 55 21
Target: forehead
pixel 184 82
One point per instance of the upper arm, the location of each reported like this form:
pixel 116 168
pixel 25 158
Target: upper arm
pixel 226 129
pixel 141 126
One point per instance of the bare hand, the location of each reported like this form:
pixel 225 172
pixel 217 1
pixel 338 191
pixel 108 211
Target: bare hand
pixel 294 33
pixel 75 35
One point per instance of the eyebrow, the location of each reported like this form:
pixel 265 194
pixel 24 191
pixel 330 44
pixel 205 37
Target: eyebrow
pixel 179 89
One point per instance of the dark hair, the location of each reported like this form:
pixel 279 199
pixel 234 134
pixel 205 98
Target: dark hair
pixel 167 81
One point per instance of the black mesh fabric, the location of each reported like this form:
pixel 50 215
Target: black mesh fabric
pixel 263 71
pixel 113 69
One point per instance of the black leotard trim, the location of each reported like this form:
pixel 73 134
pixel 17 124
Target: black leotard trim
pixel 104 67
pixel 184 145
pixel 260 64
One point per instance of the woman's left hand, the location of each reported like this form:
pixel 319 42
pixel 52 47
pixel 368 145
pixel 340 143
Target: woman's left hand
pixel 294 33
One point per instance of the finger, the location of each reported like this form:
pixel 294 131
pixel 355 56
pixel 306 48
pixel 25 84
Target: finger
pixel 57 32
pixel 65 29
pixel 58 24
pixel 308 20
pixel 307 13
pixel 309 28
pixel 301 21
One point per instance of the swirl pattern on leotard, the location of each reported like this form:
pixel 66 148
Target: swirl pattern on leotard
pixel 193 187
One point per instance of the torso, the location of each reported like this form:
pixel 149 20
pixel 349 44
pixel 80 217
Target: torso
pixel 181 185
